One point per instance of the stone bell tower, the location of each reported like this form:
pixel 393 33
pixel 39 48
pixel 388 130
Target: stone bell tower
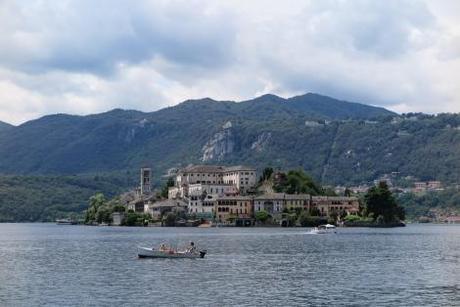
pixel 146 178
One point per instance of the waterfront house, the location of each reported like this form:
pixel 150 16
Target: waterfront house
pixel 159 208
pixel 276 203
pixel 327 205
pixel 234 209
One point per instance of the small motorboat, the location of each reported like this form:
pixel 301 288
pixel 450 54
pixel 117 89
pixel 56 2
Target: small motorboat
pixel 324 229
pixel 145 252
pixel 65 222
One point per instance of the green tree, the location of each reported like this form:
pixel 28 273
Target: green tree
pixel 262 216
pixel 381 203
pixel 347 192
pixel 266 174
pixel 119 208
pixel 165 189
pixel 103 215
pixel 95 202
pixel 169 219
pixel 296 182
pixel 131 218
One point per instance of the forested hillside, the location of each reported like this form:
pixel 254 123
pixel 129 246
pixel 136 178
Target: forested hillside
pixel 64 144
pixel 46 198
pixel 266 131
pixel 336 142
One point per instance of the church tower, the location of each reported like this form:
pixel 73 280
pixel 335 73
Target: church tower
pixel 146 178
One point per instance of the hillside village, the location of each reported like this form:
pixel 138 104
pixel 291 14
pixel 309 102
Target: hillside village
pixel 229 196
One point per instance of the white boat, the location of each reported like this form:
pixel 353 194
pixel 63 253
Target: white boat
pixel 65 222
pixel 145 252
pixel 324 229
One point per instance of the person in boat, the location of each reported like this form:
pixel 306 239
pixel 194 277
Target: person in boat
pixel 191 248
pixel 164 248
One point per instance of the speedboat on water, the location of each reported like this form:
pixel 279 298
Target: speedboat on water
pixel 324 229
pixel 166 252
pixel 65 222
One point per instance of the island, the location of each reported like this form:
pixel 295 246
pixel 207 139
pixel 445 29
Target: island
pixel 215 195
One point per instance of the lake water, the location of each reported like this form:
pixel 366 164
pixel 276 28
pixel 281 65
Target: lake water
pixel 46 264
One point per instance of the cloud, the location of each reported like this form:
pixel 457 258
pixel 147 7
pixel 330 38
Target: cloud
pixel 83 56
pixel 89 36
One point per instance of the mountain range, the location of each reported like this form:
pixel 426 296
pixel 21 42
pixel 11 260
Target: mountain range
pixel 337 142
pixel 125 139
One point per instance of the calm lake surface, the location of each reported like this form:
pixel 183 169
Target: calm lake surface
pixel 47 264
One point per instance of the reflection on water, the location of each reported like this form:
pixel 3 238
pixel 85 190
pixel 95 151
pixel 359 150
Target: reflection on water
pixel 46 264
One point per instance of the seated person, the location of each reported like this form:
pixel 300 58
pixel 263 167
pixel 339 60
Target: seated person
pixel 191 248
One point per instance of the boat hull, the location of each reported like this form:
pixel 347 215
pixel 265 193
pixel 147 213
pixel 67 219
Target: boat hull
pixel 145 252
pixel 321 231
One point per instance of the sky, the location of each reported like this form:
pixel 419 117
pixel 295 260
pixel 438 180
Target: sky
pixel 87 56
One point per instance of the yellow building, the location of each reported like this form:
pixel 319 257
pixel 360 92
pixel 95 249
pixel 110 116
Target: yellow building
pixel 230 208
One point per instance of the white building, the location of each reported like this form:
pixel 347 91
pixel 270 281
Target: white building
pixel 202 206
pixel 201 197
pixel 242 177
pixel 212 189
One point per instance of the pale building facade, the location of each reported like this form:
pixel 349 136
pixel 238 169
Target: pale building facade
pixel 276 203
pixel 202 206
pixel 198 189
pixel 335 204
pixel 242 177
pixel 159 208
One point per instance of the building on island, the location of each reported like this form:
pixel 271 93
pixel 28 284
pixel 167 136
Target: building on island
pixel 146 179
pixel 227 195
pixel 159 208
pixel 276 203
pixel 234 209
pixel 202 206
pixel 243 178
pixel 327 205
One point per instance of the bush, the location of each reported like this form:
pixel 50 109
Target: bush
pixel 352 218
pixel 262 216
pixel 169 219
pixel 131 219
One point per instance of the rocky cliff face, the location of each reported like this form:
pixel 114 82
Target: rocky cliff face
pixel 261 142
pixel 220 145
